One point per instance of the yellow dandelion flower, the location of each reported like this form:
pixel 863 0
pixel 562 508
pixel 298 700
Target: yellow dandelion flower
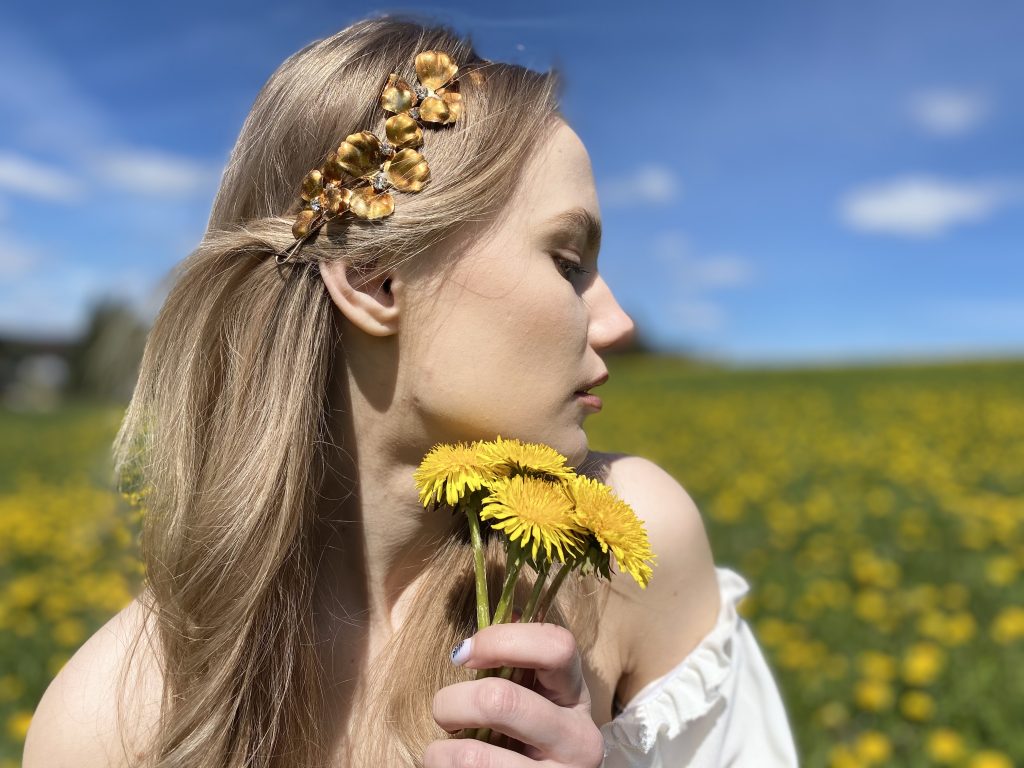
pixel 615 526
pixel 518 458
pixel 873 695
pixel 917 705
pixel 834 715
pixel 535 513
pixel 944 746
pixel 1008 625
pixel 989 758
pixel 451 470
pixel 876 665
pixel 873 747
pixel 842 756
pixel 17 725
pixel 922 663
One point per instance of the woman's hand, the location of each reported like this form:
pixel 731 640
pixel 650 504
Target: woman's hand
pixel 552 719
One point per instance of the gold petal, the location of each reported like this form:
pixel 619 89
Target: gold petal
pixel 408 170
pixel 434 110
pixel 359 154
pixel 335 200
pixel 312 185
pixel 454 101
pixel 333 170
pixel 403 131
pixel 367 204
pixel 434 69
pixel 302 223
pixel 398 95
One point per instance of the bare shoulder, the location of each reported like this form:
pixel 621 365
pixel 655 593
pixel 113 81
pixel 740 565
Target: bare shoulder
pixel 76 721
pixel 661 624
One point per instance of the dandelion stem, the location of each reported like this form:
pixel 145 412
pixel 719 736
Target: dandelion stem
pixel 514 563
pixel 538 585
pixel 517 558
pixel 549 596
pixel 483 602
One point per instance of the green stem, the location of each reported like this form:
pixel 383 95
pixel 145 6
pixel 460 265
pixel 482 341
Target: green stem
pixel 538 585
pixel 549 596
pixel 504 609
pixel 483 602
pixel 513 564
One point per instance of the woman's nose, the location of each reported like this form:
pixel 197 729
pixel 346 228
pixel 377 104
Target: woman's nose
pixel 610 326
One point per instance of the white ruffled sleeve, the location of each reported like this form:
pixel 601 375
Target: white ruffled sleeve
pixel 720 706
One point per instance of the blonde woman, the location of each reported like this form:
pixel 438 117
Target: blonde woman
pixel 300 606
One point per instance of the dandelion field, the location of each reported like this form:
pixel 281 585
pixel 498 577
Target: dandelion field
pixel 876 514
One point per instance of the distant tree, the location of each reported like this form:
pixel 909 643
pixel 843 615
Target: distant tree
pixel 105 360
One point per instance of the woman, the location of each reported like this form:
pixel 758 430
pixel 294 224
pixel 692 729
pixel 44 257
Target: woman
pixel 300 604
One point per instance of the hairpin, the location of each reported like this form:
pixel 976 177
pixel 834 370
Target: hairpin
pixel 361 173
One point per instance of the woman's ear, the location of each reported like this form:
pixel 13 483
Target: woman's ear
pixel 368 300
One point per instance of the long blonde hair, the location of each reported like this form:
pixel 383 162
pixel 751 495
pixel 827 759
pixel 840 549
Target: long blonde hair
pixel 228 430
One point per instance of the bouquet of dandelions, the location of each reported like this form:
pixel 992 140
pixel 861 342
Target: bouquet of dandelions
pixel 544 513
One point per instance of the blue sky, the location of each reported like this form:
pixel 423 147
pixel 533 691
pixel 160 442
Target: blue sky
pixel 814 181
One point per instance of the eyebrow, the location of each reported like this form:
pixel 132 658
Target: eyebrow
pixel 576 220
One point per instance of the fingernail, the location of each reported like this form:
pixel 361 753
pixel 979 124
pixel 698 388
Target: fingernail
pixel 460 653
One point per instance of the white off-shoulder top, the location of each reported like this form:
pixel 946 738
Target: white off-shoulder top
pixel 720 706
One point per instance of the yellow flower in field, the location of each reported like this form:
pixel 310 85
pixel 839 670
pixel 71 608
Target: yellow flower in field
pixel 17 725
pixel 873 695
pixel 450 471
pixel 877 665
pixel 932 624
pixel 515 457
pixel 922 663
pixel 871 605
pixel 535 513
pixel 989 758
pixel 960 627
pixel 69 632
pixel 917 706
pixel 615 526
pixel 945 746
pixel 1001 570
pixel 833 715
pixel 1008 625
pixel 873 747
pixel 11 688
pixel 841 756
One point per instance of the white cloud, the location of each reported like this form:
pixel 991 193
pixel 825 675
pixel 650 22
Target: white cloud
pixel 948 112
pixel 15 257
pixel 694 281
pixel 923 206
pixel 697 274
pixel 697 315
pixel 22 176
pixel 152 173
pixel 648 184
pixel 57 300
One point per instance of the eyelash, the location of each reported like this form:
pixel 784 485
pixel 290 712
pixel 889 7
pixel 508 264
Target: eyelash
pixel 574 268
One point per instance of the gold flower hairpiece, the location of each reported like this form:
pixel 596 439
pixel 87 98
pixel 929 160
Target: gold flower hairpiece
pixel 359 175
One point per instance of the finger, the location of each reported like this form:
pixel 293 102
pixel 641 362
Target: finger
pixel 456 753
pixel 548 649
pixel 556 732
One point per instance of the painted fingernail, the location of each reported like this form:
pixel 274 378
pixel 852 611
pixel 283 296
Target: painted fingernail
pixel 460 653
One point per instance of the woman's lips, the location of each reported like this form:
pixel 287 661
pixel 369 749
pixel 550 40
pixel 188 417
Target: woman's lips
pixel 589 400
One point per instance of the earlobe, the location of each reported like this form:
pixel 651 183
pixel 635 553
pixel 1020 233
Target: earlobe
pixel 371 303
